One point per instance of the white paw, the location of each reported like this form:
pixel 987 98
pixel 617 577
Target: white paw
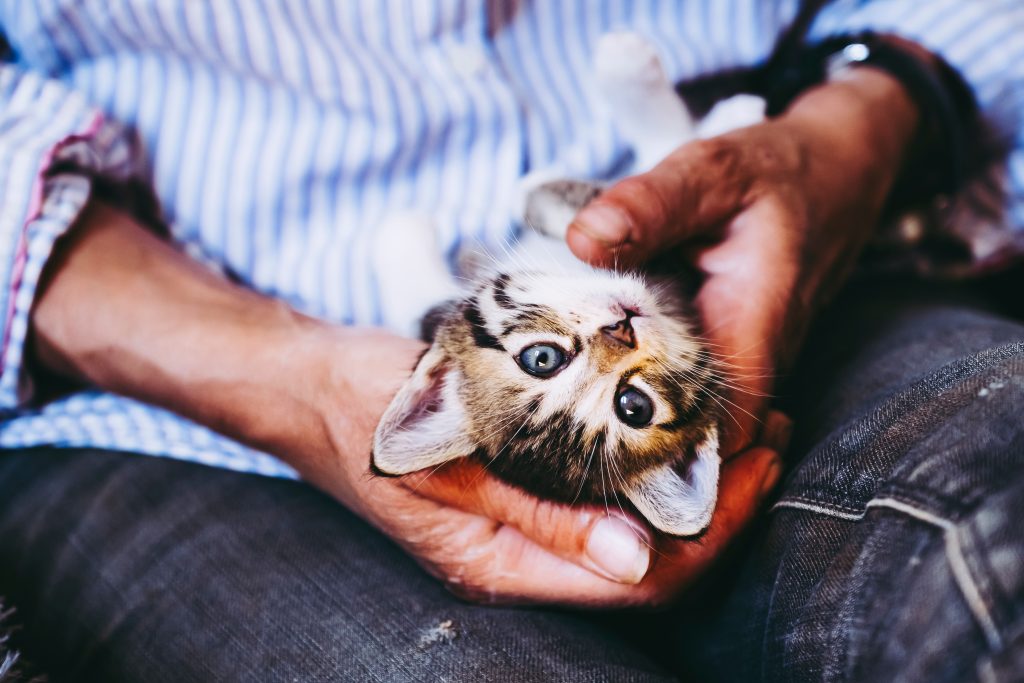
pixel 552 206
pixel 627 59
pixel 527 185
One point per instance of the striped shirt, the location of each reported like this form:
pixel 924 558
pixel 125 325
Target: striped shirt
pixel 277 133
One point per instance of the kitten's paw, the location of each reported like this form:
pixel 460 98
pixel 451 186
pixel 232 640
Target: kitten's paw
pixel 628 60
pixel 549 206
pixel 525 188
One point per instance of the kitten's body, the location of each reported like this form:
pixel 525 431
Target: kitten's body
pixel 572 382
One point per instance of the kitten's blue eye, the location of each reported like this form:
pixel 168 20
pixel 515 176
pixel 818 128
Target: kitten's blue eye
pixel 541 360
pixel 633 407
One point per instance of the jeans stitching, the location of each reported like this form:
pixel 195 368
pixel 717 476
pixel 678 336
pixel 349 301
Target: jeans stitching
pixel 820 506
pixel 954 552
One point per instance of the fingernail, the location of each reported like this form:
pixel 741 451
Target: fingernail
pixel 604 223
pixel 618 550
pixel 773 470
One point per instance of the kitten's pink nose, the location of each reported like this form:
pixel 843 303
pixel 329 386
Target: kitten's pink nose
pixel 622 331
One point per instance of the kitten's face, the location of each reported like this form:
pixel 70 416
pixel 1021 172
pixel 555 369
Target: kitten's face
pixel 582 386
pixel 574 384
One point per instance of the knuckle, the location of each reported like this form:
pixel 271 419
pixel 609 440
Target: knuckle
pixel 646 202
pixel 477 584
pixel 721 153
pixel 549 523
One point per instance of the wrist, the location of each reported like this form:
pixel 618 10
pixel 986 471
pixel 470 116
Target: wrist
pixel 350 376
pixel 858 131
pixel 852 136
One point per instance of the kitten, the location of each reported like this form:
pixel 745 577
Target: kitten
pixel 574 383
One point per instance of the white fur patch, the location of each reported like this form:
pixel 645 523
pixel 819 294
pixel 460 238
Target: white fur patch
pixel 738 111
pixel 642 101
pixel 411 272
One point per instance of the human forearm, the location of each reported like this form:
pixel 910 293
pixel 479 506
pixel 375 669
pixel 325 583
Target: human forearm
pixel 124 311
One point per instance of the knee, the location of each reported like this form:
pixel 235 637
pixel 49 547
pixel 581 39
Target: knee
pixel 950 438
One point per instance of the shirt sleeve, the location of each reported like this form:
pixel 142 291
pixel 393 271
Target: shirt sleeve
pixel 53 145
pixel 983 40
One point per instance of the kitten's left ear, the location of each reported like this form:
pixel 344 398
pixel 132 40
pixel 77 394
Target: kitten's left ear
pixel 425 424
pixel 677 504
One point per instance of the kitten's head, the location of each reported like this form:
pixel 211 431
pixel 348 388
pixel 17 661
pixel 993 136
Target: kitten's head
pixel 575 387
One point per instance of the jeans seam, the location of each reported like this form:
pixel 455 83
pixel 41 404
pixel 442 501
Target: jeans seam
pixel 815 505
pixel 969 588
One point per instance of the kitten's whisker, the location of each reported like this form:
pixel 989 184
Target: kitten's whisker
pixel 618 501
pixel 713 394
pixel 433 471
pixel 604 486
pixel 586 473
pixel 722 382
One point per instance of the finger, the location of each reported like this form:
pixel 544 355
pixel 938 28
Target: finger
pixel 507 566
pixel 695 189
pixel 746 483
pixel 486 561
pixel 613 545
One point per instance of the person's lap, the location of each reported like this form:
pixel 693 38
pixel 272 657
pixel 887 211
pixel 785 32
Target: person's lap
pixel 133 568
pixel 892 544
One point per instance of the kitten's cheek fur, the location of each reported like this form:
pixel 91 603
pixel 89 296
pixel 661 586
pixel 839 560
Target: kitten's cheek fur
pixel 425 424
pixel 676 504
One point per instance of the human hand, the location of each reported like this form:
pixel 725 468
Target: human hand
pixel 773 215
pixel 489 541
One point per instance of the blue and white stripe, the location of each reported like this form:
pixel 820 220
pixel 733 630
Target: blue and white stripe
pixel 278 133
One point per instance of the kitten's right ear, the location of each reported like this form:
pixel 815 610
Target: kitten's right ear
pixel 678 504
pixel 425 424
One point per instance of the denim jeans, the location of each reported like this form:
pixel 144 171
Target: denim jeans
pixel 892 552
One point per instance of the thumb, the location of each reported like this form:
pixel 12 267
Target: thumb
pixel 612 545
pixel 693 190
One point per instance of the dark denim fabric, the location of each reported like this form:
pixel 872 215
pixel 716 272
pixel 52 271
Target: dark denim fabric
pixel 894 553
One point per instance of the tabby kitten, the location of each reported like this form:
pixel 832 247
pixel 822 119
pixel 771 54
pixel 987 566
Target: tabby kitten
pixel 574 383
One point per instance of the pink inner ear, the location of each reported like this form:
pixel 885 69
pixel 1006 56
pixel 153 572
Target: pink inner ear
pixel 428 400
